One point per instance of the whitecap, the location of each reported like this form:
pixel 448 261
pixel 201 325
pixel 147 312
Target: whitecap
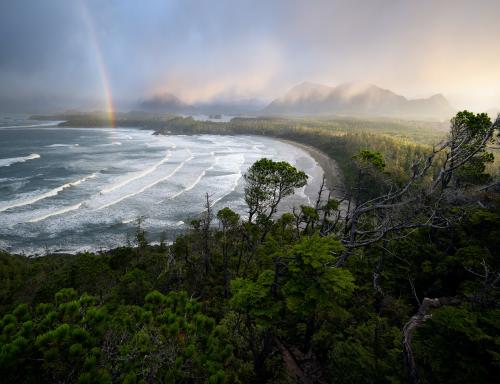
pixel 61 145
pixel 49 124
pixel 51 193
pixel 55 213
pixel 137 175
pixel 14 179
pixel 235 185
pixel 9 161
pixel 147 186
pixel 196 181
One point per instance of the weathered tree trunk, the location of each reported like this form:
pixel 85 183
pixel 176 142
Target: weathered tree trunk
pixel 416 320
pixel 408 330
pixel 207 220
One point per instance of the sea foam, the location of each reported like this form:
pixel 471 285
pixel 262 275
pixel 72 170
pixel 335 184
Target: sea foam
pixel 196 181
pixel 12 160
pixel 51 193
pixel 137 175
pixel 147 186
pixel 55 213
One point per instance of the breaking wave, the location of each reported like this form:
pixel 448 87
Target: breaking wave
pixel 9 161
pixel 236 180
pixel 51 193
pixel 62 145
pixel 147 186
pixel 138 175
pixel 55 213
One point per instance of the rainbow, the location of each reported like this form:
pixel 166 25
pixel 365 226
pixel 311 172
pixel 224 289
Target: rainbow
pixel 103 74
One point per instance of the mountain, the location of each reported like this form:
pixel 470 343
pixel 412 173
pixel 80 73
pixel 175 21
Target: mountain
pixel 165 102
pixel 355 99
pixel 230 107
pixel 436 105
pixel 168 102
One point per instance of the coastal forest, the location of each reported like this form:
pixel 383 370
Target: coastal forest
pixel 394 277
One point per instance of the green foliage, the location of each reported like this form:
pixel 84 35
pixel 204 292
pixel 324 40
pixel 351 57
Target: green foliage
pixel 140 235
pixel 368 351
pixel 466 132
pixel 373 158
pixel 228 217
pixel 255 299
pixel 268 182
pixel 133 286
pixel 77 340
pixel 273 305
pixel 459 345
pixel 470 122
pixel 313 284
pixel 474 171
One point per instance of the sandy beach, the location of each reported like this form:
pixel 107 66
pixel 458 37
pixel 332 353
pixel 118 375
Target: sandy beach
pixel 333 175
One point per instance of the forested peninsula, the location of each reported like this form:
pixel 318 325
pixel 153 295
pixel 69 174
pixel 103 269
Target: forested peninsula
pixel 395 278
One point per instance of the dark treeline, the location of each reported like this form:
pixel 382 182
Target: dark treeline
pixel 400 287
pixel 425 132
pixel 340 139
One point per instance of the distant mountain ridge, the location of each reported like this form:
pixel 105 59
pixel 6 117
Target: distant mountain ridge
pixel 165 102
pixel 168 102
pixel 356 99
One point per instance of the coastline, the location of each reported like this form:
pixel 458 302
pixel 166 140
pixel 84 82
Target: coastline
pixel 333 176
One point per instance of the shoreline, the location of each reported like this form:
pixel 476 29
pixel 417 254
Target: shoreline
pixel 329 166
pixel 333 176
pixel 335 181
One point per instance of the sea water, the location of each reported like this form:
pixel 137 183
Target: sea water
pixel 77 189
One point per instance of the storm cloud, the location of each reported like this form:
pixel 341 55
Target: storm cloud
pixel 54 54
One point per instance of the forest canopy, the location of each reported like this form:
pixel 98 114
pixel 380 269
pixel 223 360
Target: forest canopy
pixel 397 281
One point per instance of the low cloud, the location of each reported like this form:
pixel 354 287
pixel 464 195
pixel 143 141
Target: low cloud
pixel 206 51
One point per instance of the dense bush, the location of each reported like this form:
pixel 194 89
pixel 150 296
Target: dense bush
pixel 265 300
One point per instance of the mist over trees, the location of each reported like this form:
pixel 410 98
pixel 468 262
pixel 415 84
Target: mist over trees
pixel 355 99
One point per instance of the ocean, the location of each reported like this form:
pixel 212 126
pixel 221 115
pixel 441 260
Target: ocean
pixel 76 189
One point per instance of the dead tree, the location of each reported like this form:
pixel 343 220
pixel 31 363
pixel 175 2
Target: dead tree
pixel 423 314
pixel 416 203
pixel 490 279
pixel 206 222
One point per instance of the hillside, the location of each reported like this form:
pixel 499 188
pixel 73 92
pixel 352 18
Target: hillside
pixel 163 102
pixel 356 99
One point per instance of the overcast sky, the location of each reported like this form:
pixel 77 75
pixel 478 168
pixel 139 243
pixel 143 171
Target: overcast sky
pixel 52 52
